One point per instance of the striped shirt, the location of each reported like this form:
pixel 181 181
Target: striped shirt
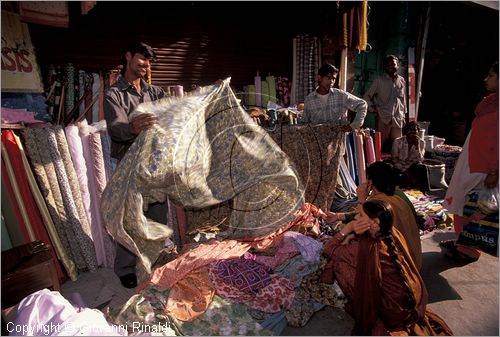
pixel 335 111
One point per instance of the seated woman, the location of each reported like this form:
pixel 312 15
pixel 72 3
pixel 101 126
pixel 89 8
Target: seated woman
pixel 407 155
pixel 381 186
pixel 370 261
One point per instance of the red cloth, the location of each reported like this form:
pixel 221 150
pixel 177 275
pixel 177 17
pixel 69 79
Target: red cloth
pixel 483 142
pixel 33 213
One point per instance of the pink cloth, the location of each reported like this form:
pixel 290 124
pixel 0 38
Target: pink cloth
pixel 47 312
pixel 100 181
pixel 96 225
pixel 370 150
pixel 14 116
pixel 378 145
pixel 170 273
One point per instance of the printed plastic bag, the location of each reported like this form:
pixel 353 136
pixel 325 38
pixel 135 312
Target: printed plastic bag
pixel 487 201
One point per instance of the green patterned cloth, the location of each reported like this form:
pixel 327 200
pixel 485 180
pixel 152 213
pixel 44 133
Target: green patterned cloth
pixel 144 312
pixel 205 150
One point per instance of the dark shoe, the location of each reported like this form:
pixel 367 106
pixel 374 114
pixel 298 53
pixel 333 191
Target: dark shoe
pixel 448 244
pixel 129 280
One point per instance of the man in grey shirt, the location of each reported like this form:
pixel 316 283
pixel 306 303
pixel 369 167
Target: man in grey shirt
pixel 387 98
pixel 120 101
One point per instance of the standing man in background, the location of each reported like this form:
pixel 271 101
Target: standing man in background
pixel 387 98
pixel 120 101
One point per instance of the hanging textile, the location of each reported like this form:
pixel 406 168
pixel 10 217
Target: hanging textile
pixel 205 150
pixel 315 151
pixel 308 57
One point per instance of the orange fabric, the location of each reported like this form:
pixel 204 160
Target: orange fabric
pixel 483 143
pixel 191 296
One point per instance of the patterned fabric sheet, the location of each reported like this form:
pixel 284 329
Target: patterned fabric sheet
pixel 205 150
pixel 430 212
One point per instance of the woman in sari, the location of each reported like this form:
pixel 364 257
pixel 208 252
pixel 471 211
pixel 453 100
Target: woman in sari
pixel 370 261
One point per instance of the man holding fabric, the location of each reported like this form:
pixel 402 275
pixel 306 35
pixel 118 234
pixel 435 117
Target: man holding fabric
pixel 120 101
pixel 329 105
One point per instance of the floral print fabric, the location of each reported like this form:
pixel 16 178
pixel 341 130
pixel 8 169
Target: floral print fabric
pixel 205 150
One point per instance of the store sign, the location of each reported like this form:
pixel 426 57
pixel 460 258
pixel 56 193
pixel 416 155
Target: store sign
pixel 20 72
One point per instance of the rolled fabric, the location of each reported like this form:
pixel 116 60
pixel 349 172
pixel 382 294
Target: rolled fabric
pixel 378 145
pixel 251 95
pixel 360 156
pixel 95 92
pixel 258 85
pixel 350 156
pixel 369 150
pixel 271 84
pixel 179 90
pixel 264 93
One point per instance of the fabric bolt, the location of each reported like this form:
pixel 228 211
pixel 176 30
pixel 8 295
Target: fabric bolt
pixel 13 214
pixel 258 90
pixel 44 170
pixel 106 153
pixel 350 155
pixel 264 93
pixel 48 155
pixel 251 95
pixel 246 275
pixel 95 93
pixel 69 97
pixel 378 145
pixel 81 90
pixel 271 83
pixel 81 244
pixel 62 145
pixel 98 229
pixel 278 294
pixel 76 151
pixel 361 158
pixel 206 153
pixel 101 98
pixel 107 249
pixel 14 164
pixel 15 194
pixel 315 151
pixel 369 150
pixel 55 241
pixel 190 297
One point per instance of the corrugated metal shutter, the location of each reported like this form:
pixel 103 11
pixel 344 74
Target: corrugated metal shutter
pixel 194 46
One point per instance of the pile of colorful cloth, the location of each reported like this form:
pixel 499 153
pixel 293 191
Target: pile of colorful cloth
pixel 429 210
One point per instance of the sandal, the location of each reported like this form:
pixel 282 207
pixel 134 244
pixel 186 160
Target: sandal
pixel 448 244
pixel 458 256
